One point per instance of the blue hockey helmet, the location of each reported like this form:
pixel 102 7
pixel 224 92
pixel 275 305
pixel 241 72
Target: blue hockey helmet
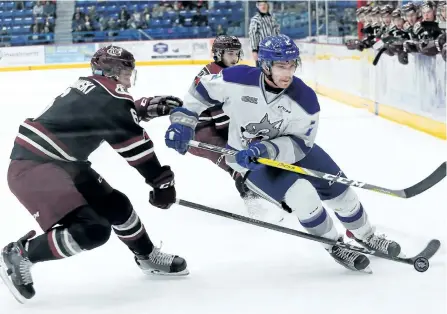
pixel 277 48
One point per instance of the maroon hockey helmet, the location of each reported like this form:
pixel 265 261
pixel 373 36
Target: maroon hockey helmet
pixel 224 43
pixel 114 62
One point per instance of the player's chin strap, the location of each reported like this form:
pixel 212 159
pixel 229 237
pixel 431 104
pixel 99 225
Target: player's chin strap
pixel 434 178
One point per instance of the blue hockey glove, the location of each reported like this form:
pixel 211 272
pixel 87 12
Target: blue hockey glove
pixel 247 158
pixel 181 130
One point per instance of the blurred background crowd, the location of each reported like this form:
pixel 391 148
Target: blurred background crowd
pixel 401 26
pixel 399 30
pixel 42 22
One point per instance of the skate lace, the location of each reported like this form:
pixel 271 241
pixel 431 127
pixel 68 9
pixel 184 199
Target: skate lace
pixel 346 254
pixel 379 243
pixel 159 258
pixel 25 271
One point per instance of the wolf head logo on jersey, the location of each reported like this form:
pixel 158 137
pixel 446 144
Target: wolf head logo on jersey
pixel 260 131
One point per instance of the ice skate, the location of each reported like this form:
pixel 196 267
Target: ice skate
pixel 160 263
pixel 378 243
pixel 351 260
pixel 15 269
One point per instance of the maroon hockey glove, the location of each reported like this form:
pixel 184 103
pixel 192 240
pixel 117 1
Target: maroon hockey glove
pixel 158 106
pixel 163 195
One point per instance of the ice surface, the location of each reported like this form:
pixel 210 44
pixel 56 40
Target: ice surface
pixel 236 268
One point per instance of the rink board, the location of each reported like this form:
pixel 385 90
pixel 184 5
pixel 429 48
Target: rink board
pixel 413 95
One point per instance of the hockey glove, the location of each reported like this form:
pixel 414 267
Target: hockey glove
pixel 158 106
pixel 163 195
pixel 247 158
pixel 181 131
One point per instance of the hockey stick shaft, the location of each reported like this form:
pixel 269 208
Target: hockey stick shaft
pixel 414 190
pixel 379 54
pixel 300 234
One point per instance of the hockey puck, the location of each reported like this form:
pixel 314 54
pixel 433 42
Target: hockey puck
pixel 421 264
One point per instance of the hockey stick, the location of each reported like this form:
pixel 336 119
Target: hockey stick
pixel 420 261
pixel 379 54
pixel 434 178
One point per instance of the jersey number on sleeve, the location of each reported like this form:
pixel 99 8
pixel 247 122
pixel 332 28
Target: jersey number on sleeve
pixel 134 116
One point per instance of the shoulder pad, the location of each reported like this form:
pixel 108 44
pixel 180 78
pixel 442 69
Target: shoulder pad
pixel 303 95
pixel 114 88
pixel 242 74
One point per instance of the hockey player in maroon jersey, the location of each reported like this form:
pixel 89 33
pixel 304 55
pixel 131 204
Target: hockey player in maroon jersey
pixel 51 176
pixel 213 122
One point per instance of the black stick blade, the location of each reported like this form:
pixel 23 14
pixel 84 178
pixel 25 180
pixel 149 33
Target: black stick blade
pixel 428 182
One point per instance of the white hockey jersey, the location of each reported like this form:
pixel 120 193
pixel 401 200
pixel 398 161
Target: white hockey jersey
pixel 288 120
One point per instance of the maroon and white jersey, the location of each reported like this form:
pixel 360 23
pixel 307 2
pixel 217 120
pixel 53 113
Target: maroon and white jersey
pixel 92 110
pixel 214 115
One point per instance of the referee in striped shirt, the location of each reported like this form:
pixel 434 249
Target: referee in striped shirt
pixel 261 26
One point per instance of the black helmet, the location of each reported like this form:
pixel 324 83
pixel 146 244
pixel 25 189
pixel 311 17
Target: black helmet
pixel 225 42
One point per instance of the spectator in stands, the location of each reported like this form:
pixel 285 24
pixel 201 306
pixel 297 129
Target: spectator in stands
pixel 78 12
pixel 49 9
pixel 77 24
pixel 4 38
pixel 157 11
pixel 199 20
pixel 19 5
pixel 112 27
pixel 47 35
pixel 48 24
pixel 220 30
pixel 37 24
pixel 92 14
pixel 36 34
pixel 124 14
pixel 135 21
pixel 201 4
pixel 89 24
pixel 102 23
pixel 179 21
pixel 38 9
pixel 123 17
pixel 137 16
pixel 146 15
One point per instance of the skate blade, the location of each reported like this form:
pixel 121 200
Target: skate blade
pixel 368 270
pixel 154 272
pixel 5 278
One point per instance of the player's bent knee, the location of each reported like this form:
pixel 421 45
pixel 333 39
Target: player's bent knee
pixel 91 234
pixel 345 202
pixel 119 202
pixel 303 199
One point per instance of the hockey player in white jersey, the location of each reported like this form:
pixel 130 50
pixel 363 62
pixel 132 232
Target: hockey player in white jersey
pixel 274 115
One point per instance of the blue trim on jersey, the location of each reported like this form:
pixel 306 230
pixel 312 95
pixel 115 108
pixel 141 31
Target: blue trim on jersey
pixel 204 93
pixel 306 149
pixel 242 74
pixel 303 95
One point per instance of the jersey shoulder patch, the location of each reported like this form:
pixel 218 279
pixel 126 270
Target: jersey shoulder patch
pixel 242 74
pixel 112 87
pixel 303 95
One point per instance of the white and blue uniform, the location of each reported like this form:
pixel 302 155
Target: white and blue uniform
pixel 280 124
pixel 287 124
